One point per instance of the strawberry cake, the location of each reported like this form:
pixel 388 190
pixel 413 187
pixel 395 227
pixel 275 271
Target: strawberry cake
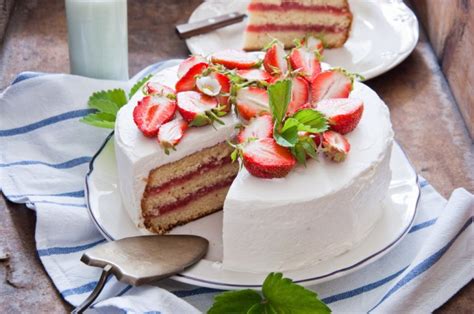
pixel 285 20
pixel 286 148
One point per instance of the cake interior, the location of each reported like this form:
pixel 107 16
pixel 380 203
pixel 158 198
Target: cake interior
pixel 329 20
pixel 188 189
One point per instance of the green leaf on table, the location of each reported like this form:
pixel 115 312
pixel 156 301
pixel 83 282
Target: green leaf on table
pixel 100 119
pixel 138 85
pixel 280 295
pixel 287 297
pixel 279 96
pixel 235 302
pixel 115 96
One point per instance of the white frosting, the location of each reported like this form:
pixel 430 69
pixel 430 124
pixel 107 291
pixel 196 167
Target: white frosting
pixel 136 154
pixel 315 212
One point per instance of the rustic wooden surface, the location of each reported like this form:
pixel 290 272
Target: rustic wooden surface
pixel 6 7
pixel 426 120
pixel 450 28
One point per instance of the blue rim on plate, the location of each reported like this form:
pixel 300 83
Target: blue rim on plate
pixel 222 285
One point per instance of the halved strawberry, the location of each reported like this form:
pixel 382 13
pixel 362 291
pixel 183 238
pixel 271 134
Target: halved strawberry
pixel 235 59
pixel 157 88
pixel 258 127
pixel 344 114
pixel 223 98
pixel 171 133
pixel 330 84
pixel 251 102
pixel 152 112
pixel 188 80
pixel 306 62
pixel 195 107
pixel 313 44
pixel 275 60
pixel 255 75
pixel 187 64
pixel 299 95
pixel 335 146
pixel 264 158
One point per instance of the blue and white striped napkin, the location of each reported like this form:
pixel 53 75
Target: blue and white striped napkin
pixel 44 157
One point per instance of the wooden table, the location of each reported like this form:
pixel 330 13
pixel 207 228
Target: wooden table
pixel 425 117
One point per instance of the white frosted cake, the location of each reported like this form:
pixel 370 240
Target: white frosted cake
pixel 310 214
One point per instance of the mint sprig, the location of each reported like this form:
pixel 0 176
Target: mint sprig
pixel 293 131
pixel 107 103
pixel 279 295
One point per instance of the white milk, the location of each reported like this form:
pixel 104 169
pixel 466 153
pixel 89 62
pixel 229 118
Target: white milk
pixel 98 44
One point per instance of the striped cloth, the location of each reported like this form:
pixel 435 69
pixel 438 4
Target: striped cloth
pixel 44 157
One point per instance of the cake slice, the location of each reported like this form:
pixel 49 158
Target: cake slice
pixel 163 187
pixel 285 20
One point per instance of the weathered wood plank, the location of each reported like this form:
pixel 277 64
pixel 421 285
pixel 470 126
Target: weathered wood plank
pixel 450 27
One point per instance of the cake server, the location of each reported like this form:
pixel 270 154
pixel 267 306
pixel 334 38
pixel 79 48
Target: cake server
pixel 205 26
pixel 143 259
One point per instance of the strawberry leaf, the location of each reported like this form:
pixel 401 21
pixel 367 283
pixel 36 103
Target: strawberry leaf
pixel 100 119
pixel 235 302
pixel 279 95
pixel 311 121
pixel 287 297
pixel 116 96
pixel 138 85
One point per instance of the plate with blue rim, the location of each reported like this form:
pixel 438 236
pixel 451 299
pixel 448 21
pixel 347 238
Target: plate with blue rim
pixel 110 217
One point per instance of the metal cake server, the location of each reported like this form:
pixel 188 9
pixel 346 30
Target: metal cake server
pixel 143 259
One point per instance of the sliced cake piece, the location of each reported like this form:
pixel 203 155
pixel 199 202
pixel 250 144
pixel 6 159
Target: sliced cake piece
pixel 285 20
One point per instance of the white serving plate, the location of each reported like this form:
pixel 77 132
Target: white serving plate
pixel 106 210
pixel 384 33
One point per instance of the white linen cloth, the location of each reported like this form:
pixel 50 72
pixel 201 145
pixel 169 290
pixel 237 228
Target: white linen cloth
pixel 44 157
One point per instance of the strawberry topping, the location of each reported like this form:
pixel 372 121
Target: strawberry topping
pixel 306 62
pixel 299 95
pixel 330 84
pixel 235 59
pixel 275 60
pixel 171 133
pixel 187 64
pixel 195 107
pixel 188 80
pixel 344 114
pixel 153 111
pixel 258 127
pixel 255 75
pixel 157 88
pixel 264 158
pixel 251 102
pixel 335 146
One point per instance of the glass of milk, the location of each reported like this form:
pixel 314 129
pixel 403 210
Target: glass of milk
pixel 98 41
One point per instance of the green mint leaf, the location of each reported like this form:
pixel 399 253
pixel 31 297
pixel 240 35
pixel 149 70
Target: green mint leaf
pixel 279 95
pixel 116 96
pixel 287 138
pixel 287 297
pixel 100 119
pixel 235 302
pixel 103 105
pixel 311 121
pixel 299 152
pixel 138 85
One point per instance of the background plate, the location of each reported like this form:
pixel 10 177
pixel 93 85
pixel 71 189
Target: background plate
pixel 384 33
pixel 106 210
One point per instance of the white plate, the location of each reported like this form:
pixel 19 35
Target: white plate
pixel 384 33
pixel 107 212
